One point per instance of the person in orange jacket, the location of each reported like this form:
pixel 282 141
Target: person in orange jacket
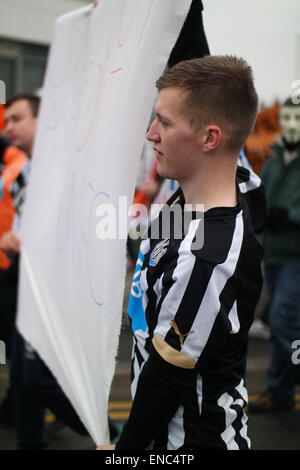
pixel 20 125
pixel 12 161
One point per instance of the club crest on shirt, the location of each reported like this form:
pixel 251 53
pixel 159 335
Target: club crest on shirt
pixel 159 250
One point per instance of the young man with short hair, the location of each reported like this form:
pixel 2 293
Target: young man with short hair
pixel 197 302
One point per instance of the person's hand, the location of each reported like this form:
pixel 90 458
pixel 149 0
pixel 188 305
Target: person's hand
pixel 10 244
pixel 106 447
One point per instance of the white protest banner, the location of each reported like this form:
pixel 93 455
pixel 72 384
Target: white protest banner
pixel 98 96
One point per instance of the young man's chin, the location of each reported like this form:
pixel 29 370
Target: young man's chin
pixel 162 173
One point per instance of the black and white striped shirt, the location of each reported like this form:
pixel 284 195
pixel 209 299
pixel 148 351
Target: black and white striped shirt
pixel 191 310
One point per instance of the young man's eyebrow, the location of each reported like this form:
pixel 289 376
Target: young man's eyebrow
pixel 163 118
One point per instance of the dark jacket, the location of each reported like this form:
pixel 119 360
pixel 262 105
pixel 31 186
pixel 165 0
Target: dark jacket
pixel 282 189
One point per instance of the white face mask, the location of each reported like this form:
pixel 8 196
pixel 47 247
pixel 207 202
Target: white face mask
pixel 289 119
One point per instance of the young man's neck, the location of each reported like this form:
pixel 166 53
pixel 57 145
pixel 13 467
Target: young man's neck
pixel 212 187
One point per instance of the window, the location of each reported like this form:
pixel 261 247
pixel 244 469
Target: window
pixel 22 66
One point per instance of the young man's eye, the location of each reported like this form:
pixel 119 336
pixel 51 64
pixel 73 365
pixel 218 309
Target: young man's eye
pixel 163 123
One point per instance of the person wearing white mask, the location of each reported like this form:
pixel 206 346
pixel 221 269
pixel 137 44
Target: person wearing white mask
pixel 281 178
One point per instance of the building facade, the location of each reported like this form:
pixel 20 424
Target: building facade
pixel 26 28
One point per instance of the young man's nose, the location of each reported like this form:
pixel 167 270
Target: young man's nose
pixel 153 134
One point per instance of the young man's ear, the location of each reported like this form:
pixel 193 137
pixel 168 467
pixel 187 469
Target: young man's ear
pixel 211 138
